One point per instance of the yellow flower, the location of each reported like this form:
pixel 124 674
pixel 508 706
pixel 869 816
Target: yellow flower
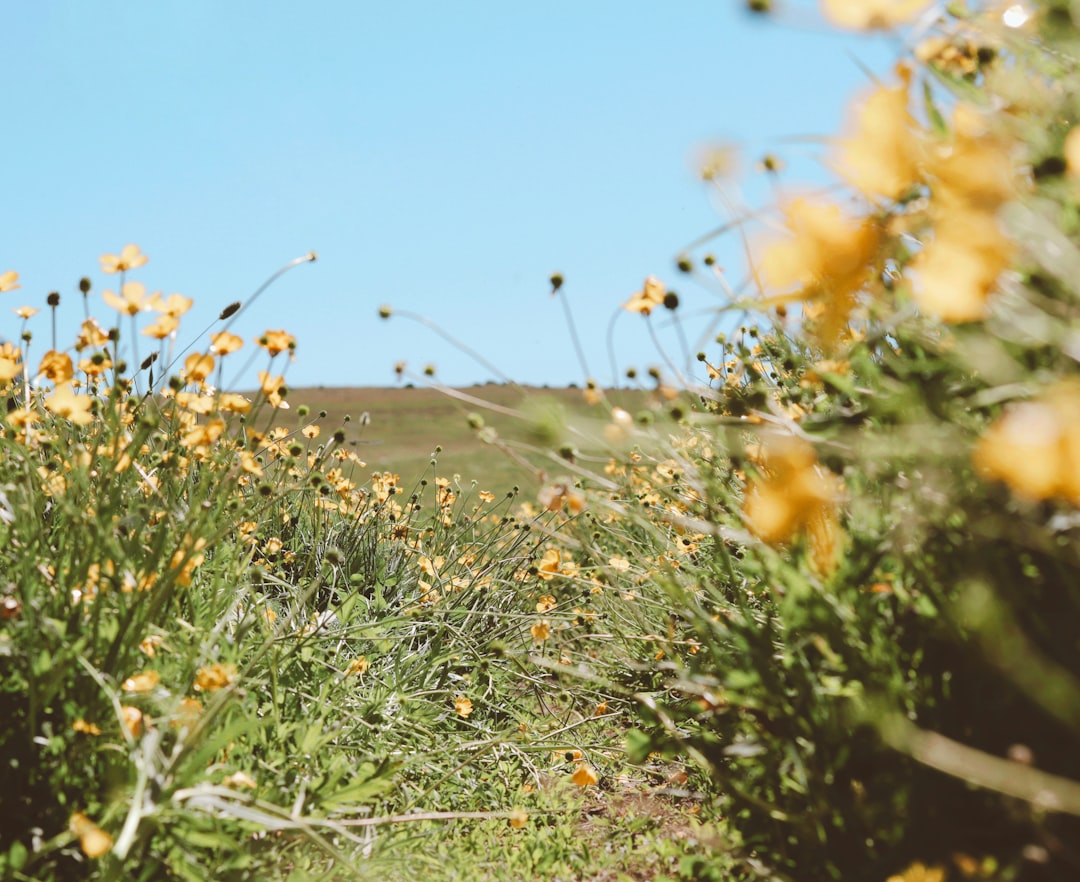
pixel 231 402
pixel 311 431
pixel 65 403
pixel 56 366
pixel 240 779
pixel 872 14
pixel 174 305
pixel 1034 448
pixel 202 437
pixel 187 713
pixel 955 274
pixel 274 390
pixel 133 720
pixel 648 298
pixel 198 366
pixel 144 682
pixel 276 342
pixel 130 257
pixel 91 335
pixel 148 646
pixel 584 775
pixel 463 706
pixel 215 677
pixel 162 326
pixel 92 839
pixel 86 728
pixel 546 603
pixel 919 872
pixel 9 281
pixel 223 342
pixel 132 299
pixel 541 631
pixel 883 155
pixel 827 259
pixel 358 665
pixel 10 364
pixel 518 818
pixel 795 494
pixel 26 312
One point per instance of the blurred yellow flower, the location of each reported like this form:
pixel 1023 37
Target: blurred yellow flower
pixel 584 775
pixel 203 437
pixel 872 14
pixel 133 720
pixel 9 281
pixel 224 342
pixel 132 299
pixel 174 305
pixel 273 388
pixel 216 676
pixel 518 818
pixel 65 403
pixel 10 364
pixel 240 779
pixel 358 665
pixel 56 366
pixel 26 312
pixel 648 298
pixel 919 872
pixel 794 494
pixel 92 839
pixel 546 603
pixel 91 335
pixel 276 342
pixel 463 706
pixel 187 712
pixel 86 728
pixel 541 631
pixel 1034 448
pixel 827 259
pixel 198 366
pixel 144 682
pixel 162 326
pixel 883 155
pixel 130 257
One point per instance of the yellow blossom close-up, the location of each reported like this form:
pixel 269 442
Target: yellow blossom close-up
pixel 129 258
pixel 865 15
pixel 214 677
pixel 463 706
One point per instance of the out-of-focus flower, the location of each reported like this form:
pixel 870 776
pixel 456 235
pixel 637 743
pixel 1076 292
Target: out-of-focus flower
pixel 827 259
pixel 273 388
pixel 541 631
pixel 9 281
pixel 584 775
pixel 174 305
pixel 463 706
pixel 91 335
pixel 866 15
pixel 276 342
pixel 216 676
pixel 147 681
pixel 56 366
pixel 132 718
pixel 882 156
pixel 94 841
pixel 130 257
pixel 161 327
pixel 26 312
pixel 650 297
pixel 793 495
pixel 65 403
pixel 224 342
pixel 518 818
pixel 919 872
pixel 1034 447
pixel 131 300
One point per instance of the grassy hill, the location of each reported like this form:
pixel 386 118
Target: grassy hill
pixel 398 429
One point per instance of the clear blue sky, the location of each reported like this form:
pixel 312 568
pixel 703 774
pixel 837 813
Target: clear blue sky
pixel 443 158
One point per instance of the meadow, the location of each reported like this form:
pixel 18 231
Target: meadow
pixel 810 615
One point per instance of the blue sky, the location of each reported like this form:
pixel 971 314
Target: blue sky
pixel 441 158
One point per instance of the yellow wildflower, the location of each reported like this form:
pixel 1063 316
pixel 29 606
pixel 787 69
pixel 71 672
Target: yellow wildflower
pixel 175 305
pixel 216 676
pixel 86 728
pixel 26 312
pixel 518 818
pixel 584 775
pixel 130 257
pixel 224 342
pixel 132 718
pixel 161 327
pixel 198 366
pixel 463 706
pixel 56 366
pixel 864 15
pixel 92 839
pixel 276 342
pixel 9 281
pixel 144 682
pixel 274 390
pixel 648 298
pixel 919 872
pixel 541 631
pixel 132 299
pixel 65 403
pixel 1034 448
